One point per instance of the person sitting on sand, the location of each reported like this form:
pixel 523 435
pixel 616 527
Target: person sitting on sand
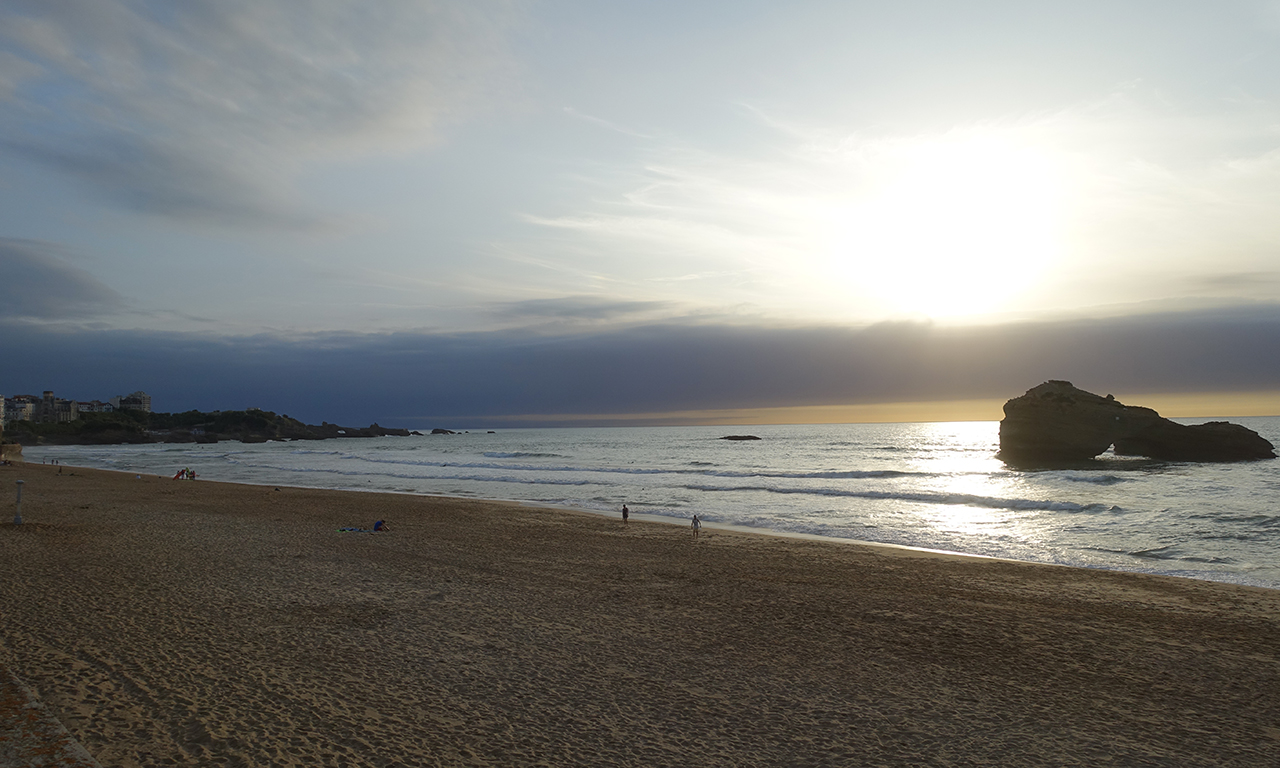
pixel 696 525
pixel 380 526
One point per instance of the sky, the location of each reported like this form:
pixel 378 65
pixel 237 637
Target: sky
pixel 566 212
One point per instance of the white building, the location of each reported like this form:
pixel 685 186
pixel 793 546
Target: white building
pixel 20 408
pixel 136 401
pixel 96 406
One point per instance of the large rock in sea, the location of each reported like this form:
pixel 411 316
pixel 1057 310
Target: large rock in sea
pixel 1056 423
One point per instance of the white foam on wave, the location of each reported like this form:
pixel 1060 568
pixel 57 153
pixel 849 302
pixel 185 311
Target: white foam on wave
pixel 920 497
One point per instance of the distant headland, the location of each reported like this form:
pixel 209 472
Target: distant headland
pixel 128 419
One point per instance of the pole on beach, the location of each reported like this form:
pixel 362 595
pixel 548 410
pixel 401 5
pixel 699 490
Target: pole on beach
pixel 17 507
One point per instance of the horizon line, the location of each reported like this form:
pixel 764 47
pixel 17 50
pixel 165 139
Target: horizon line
pixel 1259 403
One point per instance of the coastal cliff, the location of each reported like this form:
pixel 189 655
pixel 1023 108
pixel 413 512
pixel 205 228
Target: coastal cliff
pixel 131 427
pixel 1056 423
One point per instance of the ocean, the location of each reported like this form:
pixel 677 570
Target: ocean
pixel 933 485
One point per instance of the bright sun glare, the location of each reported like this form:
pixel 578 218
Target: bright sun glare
pixel 952 227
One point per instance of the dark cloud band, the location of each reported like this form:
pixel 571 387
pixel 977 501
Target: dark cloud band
pixel 441 380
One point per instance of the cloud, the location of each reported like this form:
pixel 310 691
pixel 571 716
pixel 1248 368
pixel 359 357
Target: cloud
pixel 1261 284
pixel 146 176
pixel 1016 212
pixel 604 123
pixel 469 380
pixel 578 309
pixel 209 109
pixel 38 284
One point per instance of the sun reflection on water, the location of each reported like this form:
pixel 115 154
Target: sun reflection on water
pixel 960 459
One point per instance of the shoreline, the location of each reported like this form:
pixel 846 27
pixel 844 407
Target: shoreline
pixel 210 623
pixel 668 520
pixel 640 516
pixel 747 530
pixel 741 529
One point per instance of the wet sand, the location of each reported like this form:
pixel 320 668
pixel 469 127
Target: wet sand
pixel 198 623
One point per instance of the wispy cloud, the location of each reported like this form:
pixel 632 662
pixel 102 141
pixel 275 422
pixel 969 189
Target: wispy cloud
pixel 579 309
pixel 40 284
pixel 1241 284
pixel 837 220
pixel 209 109
pixel 814 164
pixel 151 176
pixel 605 123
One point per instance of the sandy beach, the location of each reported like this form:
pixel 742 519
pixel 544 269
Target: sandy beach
pixel 199 623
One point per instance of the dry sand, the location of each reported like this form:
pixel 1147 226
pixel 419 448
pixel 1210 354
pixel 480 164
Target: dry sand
pixel 197 623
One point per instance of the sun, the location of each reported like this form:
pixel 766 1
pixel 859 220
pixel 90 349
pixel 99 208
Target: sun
pixel 952 227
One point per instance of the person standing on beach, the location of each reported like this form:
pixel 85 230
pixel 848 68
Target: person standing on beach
pixel 625 512
pixel 696 525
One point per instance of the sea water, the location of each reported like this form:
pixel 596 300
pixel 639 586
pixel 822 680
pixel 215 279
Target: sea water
pixel 938 486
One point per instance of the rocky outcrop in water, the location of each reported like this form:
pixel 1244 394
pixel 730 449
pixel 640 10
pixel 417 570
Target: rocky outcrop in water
pixel 1212 441
pixel 1056 423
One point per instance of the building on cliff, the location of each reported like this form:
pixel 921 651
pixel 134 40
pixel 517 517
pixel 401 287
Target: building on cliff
pixel 20 408
pixel 96 406
pixel 48 409
pixel 136 401
pixel 52 410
